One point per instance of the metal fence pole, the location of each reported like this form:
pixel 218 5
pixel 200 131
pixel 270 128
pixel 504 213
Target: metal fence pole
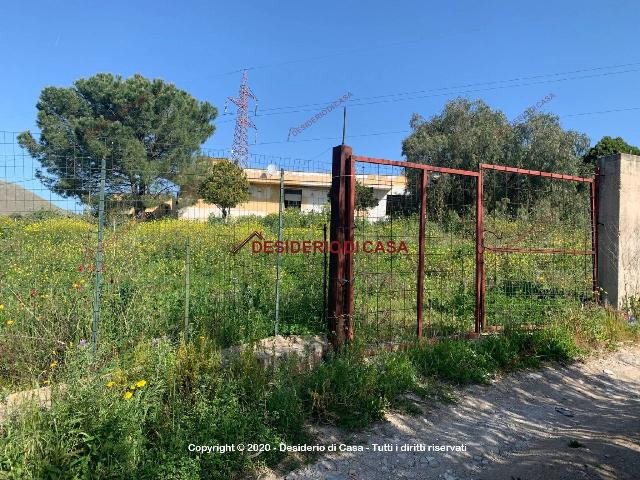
pixel 421 241
pixel 279 254
pixel 187 290
pixel 340 295
pixel 594 234
pixel 324 274
pixel 96 301
pixel 480 286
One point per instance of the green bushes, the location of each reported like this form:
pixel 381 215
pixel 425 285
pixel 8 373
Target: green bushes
pixel 137 415
pixel 351 392
pixel 454 360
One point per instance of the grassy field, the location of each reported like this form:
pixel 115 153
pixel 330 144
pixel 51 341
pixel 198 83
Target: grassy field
pixel 47 286
pixel 152 390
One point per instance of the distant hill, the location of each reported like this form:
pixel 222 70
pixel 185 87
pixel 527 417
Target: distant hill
pixel 15 199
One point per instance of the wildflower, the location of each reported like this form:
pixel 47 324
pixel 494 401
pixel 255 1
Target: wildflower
pixel 82 343
pixel 141 383
pixel 127 395
pixel 53 364
pixel 76 286
pixel 10 322
pixel 110 384
pixel 1 306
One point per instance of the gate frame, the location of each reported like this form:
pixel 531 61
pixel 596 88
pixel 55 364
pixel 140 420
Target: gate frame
pixel 341 264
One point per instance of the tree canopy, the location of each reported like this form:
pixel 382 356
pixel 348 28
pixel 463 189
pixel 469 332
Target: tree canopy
pixel 608 146
pixel 147 130
pixel 468 133
pixel 226 186
pixel 365 198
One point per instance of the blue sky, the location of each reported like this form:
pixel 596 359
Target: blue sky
pixel 302 53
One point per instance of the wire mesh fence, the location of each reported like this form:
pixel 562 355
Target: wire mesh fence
pixel 539 245
pixel 96 249
pixel 160 261
pixel 484 249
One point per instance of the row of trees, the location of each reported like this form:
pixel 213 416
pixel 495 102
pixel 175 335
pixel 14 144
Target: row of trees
pixel 151 132
pixel 468 133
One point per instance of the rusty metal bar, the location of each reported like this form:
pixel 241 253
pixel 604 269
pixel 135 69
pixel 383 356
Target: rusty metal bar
pixel 340 297
pixel 524 171
pixel 550 251
pixel 419 166
pixel 480 285
pixel 594 234
pixel 349 233
pixel 335 325
pixel 421 247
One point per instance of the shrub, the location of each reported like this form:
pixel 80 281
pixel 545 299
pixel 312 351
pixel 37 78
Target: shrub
pixel 351 392
pixel 457 361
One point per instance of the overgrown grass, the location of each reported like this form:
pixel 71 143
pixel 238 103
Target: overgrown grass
pixel 135 414
pixel 48 277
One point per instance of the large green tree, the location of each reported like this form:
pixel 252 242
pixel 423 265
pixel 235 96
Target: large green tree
pixel 608 146
pixel 226 186
pixel 468 133
pixel 149 132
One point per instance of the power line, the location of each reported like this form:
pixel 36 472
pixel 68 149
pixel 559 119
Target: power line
pixel 411 95
pixel 374 134
pixel 344 52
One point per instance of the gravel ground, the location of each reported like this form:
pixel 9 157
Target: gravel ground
pixel 519 427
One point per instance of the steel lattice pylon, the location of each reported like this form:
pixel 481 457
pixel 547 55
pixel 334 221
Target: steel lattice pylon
pixel 240 150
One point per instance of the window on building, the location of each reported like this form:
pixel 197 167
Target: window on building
pixel 292 198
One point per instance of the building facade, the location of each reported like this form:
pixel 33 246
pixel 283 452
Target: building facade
pixel 305 191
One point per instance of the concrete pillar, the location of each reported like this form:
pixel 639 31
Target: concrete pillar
pixel 619 228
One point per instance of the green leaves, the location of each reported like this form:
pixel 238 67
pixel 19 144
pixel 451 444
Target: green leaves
pixel 468 133
pixel 226 187
pixel 148 130
pixel 609 146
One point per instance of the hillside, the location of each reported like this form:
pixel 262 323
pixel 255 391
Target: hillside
pixel 15 199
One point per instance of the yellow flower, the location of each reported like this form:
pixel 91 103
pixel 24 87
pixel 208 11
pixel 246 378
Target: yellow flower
pixel 10 322
pixel 141 383
pixel 1 306
pixel 110 384
pixel 53 364
pixel 127 395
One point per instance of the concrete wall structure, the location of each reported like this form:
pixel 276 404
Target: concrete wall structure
pixel 619 228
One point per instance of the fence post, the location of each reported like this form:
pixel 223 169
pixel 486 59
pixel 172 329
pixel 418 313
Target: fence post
pixel 340 297
pixel 187 290
pixel 324 273
pixel 279 254
pixel 594 234
pixel 480 286
pixel 421 240
pixel 96 300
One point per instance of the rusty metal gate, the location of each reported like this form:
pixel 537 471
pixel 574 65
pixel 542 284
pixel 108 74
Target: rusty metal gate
pixel 421 251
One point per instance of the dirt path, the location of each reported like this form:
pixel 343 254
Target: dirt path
pixel 519 427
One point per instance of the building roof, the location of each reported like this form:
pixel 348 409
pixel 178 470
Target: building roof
pixel 317 179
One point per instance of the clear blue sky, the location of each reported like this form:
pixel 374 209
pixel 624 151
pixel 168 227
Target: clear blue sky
pixel 314 52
